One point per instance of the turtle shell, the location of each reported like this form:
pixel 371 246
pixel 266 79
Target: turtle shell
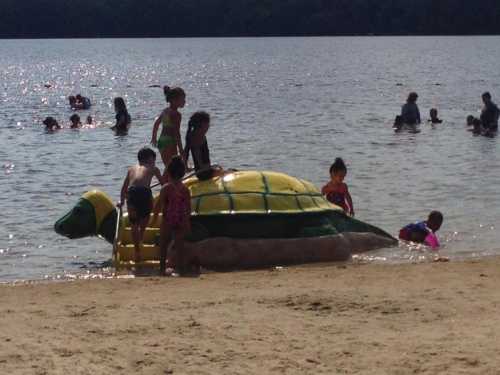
pixel 252 192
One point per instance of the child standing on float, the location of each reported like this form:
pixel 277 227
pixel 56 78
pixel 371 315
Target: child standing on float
pixel 169 143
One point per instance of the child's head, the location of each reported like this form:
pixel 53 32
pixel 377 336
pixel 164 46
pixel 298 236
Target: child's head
pixel 79 97
pixel 199 118
pixel 120 105
pixel 50 122
pixel 146 156
pixel 412 97
pixel 470 120
pixel 176 168
pixel 338 170
pixel 175 96
pixel 75 119
pixel 433 113
pixel 435 220
pixel 89 119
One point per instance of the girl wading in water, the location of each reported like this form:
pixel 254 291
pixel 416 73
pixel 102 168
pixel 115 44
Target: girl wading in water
pixel 169 143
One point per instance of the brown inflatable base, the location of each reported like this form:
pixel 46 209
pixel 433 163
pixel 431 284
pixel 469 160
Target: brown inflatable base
pixel 229 253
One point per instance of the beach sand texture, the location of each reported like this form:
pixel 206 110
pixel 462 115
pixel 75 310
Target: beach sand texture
pixel 439 318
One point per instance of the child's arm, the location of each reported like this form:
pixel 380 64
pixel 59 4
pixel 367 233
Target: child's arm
pixel 123 193
pixel 325 189
pixel 349 200
pixel 158 175
pixel 154 136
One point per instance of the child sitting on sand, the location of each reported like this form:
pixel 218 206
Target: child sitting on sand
pixel 424 231
pixel 175 203
pixel 137 192
pixel 336 190
pixel 433 113
pixel 75 121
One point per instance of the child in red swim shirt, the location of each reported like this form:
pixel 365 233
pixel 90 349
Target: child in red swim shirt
pixel 336 190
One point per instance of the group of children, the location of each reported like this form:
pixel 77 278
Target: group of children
pixel 52 125
pixel 175 199
pixel 337 192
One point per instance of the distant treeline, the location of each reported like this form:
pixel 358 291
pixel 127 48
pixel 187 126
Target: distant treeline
pixel 175 18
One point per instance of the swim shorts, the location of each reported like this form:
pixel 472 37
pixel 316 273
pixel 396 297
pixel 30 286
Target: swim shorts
pixel 140 198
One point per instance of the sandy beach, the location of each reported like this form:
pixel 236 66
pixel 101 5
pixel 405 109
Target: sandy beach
pixel 439 318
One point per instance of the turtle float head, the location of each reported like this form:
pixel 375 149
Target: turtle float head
pixel 94 214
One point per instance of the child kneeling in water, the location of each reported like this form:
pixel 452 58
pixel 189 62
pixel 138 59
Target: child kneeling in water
pixel 175 203
pixel 424 231
pixel 137 192
pixel 336 190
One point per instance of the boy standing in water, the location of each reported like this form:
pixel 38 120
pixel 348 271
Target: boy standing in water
pixel 137 192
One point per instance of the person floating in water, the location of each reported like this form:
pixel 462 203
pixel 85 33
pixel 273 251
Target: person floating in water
pixel 169 143
pixel 196 143
pixel 51 124
pixel 137 193
pixel 489 115
pixel 89 120
pixel 410 114
pixel 75 121
pixel 336 190
pixel 424 231
pixel 123 119
pixel 175 204
pixel 433 113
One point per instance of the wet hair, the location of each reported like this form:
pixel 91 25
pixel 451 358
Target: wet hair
pixel 79 97
pixel 120 104
pixel 145 154
pixel 74 118
pixel 433 111
pixel 470 120
pixel 71 99
pixel 176 168
pixel 412 97
pixel 173 93
pixel 49 121
pixel 338 166
pixel 435 220
pixel 197 119
pixel 486 95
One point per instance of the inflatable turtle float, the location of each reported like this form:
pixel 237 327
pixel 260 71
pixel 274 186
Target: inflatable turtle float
pixel 241 219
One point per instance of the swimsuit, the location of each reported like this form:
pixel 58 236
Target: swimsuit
pixel 337 196
pixel 178 207
pixel 166 140
pixel 140 198
pixel 415 231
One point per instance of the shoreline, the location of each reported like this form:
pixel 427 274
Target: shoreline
pixel 337 318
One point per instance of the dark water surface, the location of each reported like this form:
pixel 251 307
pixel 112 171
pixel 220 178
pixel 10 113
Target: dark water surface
pixel 289 105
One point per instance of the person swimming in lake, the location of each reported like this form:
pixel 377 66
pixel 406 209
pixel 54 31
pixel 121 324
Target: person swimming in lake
pixel 79 102
pixel 336 190
pixel 137 193
pixel 489 114
pixel 123 119
pixel 75 121
pixel 51 124
pixel 433 113
pixel 169 143
pixel 90 120
pixel 196 144
pixel 175 204
pixel 410 114
pixel 424 232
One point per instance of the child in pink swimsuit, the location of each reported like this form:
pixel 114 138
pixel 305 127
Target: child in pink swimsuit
pixel 175 203
pixel 336 190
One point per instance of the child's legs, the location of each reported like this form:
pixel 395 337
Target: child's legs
pixel 167 154
pixel 165 239
pixel 181 257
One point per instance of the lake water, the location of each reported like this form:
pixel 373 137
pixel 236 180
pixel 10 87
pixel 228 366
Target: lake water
pixel 283 104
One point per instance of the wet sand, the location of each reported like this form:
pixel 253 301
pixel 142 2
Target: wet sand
pixel 336 319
